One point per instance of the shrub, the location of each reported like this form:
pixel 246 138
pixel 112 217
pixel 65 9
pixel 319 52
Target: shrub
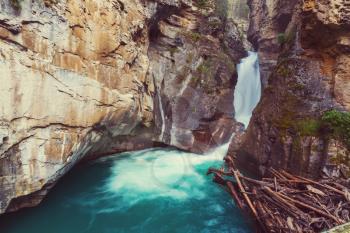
pixel 337 125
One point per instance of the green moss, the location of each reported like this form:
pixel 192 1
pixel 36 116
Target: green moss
pixel 337 125
pixel 308 127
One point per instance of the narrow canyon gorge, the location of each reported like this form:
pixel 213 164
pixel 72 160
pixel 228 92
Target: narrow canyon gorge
pixel 143 96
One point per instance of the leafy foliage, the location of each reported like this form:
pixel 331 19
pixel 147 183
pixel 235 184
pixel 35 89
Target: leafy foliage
pixel 337 124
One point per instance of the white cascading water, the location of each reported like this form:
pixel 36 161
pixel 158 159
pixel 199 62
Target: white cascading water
pixel 161 114
pixel 154 173
pixel 248 88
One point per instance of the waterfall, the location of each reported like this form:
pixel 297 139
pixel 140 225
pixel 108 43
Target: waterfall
pixel 248 88
pixel 161 114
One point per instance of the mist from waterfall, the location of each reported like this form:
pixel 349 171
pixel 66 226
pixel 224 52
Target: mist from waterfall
pixel 248 89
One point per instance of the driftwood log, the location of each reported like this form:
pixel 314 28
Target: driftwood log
pixel 284 202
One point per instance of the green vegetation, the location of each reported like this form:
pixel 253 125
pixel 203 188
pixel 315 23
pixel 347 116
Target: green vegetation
pixel 337 125
pixel 308 127
pixel 332 124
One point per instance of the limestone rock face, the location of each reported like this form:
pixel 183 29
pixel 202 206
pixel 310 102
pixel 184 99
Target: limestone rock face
pixel 311 76
pixel 72 78
pixel 268 20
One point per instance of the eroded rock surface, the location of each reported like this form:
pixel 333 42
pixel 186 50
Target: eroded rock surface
pixel 193 61
pixel 72 78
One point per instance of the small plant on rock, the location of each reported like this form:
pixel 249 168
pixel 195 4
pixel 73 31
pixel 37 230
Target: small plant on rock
pixel 338 125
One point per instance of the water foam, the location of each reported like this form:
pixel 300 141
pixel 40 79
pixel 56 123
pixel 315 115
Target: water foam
pixel 159 173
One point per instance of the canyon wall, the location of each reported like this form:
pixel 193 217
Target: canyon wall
pixel 304 48
pixel 193 59
pixel 73 76
pixel 83 79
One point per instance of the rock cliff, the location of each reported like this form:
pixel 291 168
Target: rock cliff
pixel 193 57
pixel 72 78
pixel 302 122
pixel 81 79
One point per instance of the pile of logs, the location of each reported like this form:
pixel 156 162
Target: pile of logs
pixel 288 203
